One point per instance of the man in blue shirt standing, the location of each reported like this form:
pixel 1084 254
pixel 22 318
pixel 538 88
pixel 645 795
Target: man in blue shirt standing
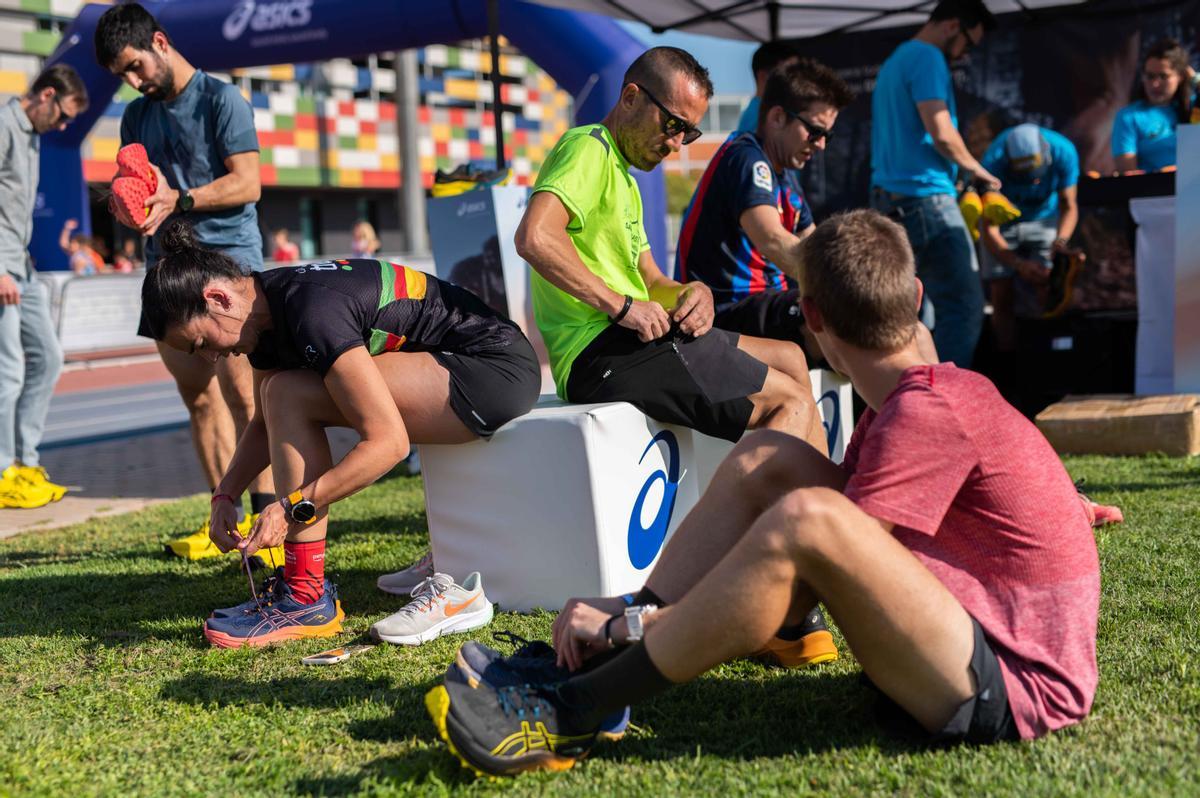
pixel 1040 170
pixel 199 134
pixel 916 153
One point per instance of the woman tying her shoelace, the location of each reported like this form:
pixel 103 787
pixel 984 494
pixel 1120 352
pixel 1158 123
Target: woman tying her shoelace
pixel 394 353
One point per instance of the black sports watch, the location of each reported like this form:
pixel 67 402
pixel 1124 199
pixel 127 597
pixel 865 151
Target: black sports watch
pixel 185 202
pixel 299 509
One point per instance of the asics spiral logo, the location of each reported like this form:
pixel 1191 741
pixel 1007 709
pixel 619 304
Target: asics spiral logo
pixel 831 417
pixel 266 16
pixel 645 542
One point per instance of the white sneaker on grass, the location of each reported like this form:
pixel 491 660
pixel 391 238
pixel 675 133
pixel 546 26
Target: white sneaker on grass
pixel 438 607
pixel 402 583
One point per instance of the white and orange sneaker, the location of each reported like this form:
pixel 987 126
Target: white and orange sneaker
pixel 439 606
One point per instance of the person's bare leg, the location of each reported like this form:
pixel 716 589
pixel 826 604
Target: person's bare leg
pixel 910 635
pixel 785 402
pixel 213 434
pixel 298 408
pixel 236 379
pixel 764 466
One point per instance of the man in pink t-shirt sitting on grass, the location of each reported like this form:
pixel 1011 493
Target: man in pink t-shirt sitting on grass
pixel 950 547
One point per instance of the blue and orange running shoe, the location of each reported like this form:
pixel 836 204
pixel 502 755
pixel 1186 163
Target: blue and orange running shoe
pixel 260 597
pixel 533 662
pixel 280 618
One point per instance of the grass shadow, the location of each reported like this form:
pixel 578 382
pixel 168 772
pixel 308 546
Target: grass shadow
pixel 119 607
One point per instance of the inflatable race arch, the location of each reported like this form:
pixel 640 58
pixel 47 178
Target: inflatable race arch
pixel 586 54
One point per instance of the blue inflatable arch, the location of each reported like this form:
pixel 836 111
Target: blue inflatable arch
pixel 586 54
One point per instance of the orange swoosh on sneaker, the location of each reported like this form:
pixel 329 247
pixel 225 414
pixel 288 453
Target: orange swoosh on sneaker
pixel 455 609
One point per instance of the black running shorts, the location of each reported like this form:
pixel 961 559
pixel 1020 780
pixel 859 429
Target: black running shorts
pixel 489 389
pixel 703 383
pixel 770 314
pixel 982 719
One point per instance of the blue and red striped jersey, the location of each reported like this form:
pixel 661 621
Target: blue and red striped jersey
pixel 713 247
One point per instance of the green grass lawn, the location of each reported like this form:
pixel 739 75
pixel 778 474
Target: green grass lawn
pixel 107 685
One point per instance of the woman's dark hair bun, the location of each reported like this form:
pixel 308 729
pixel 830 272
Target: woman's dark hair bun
pixel 178 237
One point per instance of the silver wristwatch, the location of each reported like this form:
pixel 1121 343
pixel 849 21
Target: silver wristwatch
pixel 633 621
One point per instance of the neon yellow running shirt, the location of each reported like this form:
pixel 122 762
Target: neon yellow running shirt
pixel 588 173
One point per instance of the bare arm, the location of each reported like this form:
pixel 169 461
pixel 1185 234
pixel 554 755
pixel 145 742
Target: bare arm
pixel 935 116
pixel 240 186
pixel 1068 213
pixel 64 238
pixel 776 243
pixel 542 241
pixel 362 395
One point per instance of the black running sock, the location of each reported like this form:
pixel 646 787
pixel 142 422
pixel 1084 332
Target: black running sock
pixel 813 622
pixel 260 501
pixel 629 678
pixel 647 596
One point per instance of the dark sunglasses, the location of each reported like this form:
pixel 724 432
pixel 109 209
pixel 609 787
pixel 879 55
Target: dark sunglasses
pixel 815 132
pixel 63 116
pixel 672 125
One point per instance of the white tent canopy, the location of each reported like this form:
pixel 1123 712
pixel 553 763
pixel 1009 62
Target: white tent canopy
pixel 763 20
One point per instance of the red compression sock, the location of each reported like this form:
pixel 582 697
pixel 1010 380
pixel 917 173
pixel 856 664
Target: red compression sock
pixel 304 569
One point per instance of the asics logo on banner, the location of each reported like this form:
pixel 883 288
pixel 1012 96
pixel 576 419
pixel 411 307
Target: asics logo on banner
pixel 646 541
pixel 831 417
pixel 471 208
pixel 260 17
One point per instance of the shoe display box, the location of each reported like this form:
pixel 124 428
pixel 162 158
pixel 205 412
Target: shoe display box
pixel 576 500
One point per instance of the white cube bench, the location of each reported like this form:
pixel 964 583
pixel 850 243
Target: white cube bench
pixel 577 500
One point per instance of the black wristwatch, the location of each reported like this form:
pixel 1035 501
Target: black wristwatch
pixel 185 202
pixel 299 509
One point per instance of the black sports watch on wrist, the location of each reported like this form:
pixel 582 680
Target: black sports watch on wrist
pixel 185 202
pixel 299 509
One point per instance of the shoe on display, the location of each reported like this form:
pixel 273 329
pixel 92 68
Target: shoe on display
pixel 507 730
pixel 997 208
pixel 280 618
pixel 401 583
pixel 439 606
pixel 971 208
pixel 18 493
pixel 533 662
pixel 814 646
pixel 37 476
pixel 1060 287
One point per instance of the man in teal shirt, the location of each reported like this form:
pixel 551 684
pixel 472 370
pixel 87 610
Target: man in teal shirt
pixel 916 153
pixel 616 328
pixel 1040 170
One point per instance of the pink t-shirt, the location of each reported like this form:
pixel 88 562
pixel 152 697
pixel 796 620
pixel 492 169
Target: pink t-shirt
pixel 982 500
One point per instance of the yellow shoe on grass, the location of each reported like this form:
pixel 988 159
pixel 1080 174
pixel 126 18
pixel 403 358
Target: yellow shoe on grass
pixel 199 546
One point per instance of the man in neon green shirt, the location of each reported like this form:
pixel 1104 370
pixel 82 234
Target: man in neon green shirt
pixel 616 328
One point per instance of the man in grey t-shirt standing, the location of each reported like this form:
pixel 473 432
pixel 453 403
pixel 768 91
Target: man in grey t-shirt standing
pixel 30 356
pixel 199 134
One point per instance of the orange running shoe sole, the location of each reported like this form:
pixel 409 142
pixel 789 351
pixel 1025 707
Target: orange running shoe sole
pixel 812 649
pixel 222 640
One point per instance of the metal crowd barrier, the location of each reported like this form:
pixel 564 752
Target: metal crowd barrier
pixel 101 311
pixel 96 312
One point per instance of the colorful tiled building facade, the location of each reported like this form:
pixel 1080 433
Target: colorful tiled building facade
pixel 331 128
